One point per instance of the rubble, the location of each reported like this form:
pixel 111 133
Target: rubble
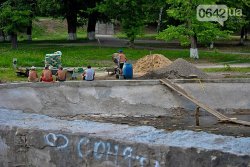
pixel 180 68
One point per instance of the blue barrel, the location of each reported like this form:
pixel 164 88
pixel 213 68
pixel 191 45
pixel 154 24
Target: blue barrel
pixel 127 71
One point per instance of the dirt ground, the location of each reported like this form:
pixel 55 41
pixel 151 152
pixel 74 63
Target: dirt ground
pixel 218 75
pixel 182 120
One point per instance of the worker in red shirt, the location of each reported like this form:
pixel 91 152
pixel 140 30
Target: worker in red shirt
pixel 46 75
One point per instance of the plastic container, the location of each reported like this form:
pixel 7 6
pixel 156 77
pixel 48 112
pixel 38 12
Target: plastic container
pixel 127 71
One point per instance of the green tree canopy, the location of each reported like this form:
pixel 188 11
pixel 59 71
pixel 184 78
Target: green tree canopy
pixel 13 19
pixel 190 30
pixel 132 14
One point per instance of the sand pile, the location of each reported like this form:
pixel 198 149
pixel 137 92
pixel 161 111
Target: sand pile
pixel 150 63
pixel 180 68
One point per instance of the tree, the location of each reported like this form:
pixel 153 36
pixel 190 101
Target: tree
pixel 66 9
pixel 93 16
pixel 30 5
pixel 191 31
pixel 132 15
pixel 1 35
pixel 74 11
pixel 13 20
pixel 242 22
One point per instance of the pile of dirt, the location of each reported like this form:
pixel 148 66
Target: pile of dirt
pixel 151 63
pixel 180 68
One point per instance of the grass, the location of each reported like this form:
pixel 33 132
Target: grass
pixel 52 29
pixel 231 69
pixel 149 36
pixel 29 54
pixel 9 75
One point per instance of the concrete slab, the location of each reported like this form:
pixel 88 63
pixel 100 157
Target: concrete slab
pixel 31 133
pixel 120 97
pixel 38 140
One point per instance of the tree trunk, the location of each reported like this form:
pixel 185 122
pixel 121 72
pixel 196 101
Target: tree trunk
pixel 72 21
pixel 246 34
pixel 159 20
pixel 194 50
pixel 8 37
pixel 71 17
pixel 14 40
pixel 212 45
pixel 242 33
pixel 1 36
pixel 132 42
pixel 29 32
pixel 91 26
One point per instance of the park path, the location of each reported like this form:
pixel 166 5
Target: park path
pixel 111 41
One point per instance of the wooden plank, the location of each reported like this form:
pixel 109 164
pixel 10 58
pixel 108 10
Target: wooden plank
pixel 217 114
pixel 181 91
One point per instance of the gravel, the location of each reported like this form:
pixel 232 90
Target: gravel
pixel 180 68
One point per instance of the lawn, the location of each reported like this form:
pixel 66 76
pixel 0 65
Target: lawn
pixel 228 69
pixel 29 54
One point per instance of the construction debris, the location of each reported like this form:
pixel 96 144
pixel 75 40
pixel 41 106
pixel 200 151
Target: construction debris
pixel 180 68
pixel 150 63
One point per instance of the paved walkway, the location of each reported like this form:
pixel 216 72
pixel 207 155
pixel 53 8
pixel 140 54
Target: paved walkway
pixel 111 41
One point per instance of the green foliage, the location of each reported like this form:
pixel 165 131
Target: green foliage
pixel 132 15
pixel 49 8
pixel 12 19
pixel 227 67
pixel 231 69
pixel 63 8
pixel 234 20
pixel 176 32
pixel 185 12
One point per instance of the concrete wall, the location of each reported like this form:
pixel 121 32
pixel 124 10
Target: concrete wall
pixel 30 138
pixel 219 95
pixel 110 98
pixel 40 141
pixel 104 28
pixel 120 97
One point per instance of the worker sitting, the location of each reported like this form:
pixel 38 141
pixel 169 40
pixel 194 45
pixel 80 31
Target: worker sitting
pixel 33 77
pixel 88 74
pixel 60 74
pixel 46 75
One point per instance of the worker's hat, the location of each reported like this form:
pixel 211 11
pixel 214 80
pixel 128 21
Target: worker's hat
pixel 33 68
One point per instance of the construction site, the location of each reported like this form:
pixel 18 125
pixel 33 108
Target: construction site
pixel 171 114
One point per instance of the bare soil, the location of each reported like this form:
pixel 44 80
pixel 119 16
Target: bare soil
pixel 182 120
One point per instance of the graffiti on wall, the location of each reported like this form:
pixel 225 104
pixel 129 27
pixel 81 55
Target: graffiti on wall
pixel 100 150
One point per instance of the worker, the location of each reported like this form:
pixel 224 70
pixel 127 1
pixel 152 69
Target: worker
pixel 115 58
pixel 33 77
pixel 60 74
pixel 88 74
pixel 46 75
pixel 122 58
